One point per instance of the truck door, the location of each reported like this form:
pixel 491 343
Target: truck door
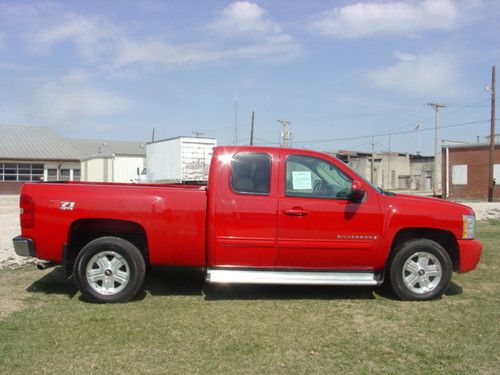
pixel 244 211
pixel 318 226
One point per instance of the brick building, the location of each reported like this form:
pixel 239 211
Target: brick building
pixel 465 170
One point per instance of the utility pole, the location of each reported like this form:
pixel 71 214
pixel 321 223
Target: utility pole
pixel 436 107
pixel 153 135
pixel 389 175
pixel 417 128
pixel 252 128
pixel 285 135
pixel 491 181
pixel 372 170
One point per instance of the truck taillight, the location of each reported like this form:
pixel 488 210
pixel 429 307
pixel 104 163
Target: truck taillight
pixel 27 214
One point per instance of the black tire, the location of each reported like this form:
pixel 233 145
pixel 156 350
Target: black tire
pixel 97 252
pixel 411 282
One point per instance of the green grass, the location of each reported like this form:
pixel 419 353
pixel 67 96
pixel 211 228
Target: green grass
pixel 179 325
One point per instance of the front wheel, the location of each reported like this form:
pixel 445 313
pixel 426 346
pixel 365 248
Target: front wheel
pixel 109 269
pixel 420 270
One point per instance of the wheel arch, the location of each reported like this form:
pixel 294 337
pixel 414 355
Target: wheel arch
pixel 443 237
pixel 82 231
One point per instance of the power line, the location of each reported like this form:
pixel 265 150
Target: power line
pixel 390 132
pixel 381 134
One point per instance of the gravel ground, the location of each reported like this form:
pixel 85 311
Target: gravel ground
pixel 9 228
pixel 9 222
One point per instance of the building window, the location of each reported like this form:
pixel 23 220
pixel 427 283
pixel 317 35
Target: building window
pixel 459 174
pixel 76 175
pixel 65 174
pixel 51 174
pixel 21 172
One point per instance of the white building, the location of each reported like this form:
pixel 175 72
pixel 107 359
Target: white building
pixel 110 160
pixel 35 153
pixel 392 170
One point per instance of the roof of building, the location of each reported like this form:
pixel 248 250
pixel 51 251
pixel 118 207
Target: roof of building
pixel 34 142
pixel 93 147
pixel 199 139
pixel 41 142
pixel 470 145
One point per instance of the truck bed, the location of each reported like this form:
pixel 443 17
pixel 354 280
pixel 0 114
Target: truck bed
pixel 172 217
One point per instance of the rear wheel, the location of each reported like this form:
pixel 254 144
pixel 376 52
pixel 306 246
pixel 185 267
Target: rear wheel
pixel 109 269
pixel 420 270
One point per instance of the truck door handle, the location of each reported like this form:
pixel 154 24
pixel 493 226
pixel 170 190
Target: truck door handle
pixel 296 211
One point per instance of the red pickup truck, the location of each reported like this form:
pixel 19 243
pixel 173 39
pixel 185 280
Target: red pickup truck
pixel 267 216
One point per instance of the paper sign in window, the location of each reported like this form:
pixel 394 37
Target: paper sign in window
pixel 302 180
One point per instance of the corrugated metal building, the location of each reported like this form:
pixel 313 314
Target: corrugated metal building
pixel 37 153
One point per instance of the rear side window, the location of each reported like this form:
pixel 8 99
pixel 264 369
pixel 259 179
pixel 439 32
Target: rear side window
pixel 251 173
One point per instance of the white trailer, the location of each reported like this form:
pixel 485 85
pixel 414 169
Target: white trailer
pixel 179 160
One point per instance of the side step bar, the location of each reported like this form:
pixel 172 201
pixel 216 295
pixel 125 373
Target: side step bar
pixel 216 276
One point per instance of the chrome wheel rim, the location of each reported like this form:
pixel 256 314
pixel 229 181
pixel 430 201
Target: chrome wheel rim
pixel 108 273
pixel 422 272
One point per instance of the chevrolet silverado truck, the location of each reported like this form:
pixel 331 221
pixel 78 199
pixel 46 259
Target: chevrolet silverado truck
pixel 267 216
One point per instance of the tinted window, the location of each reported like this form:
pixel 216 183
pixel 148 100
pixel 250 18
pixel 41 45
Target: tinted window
pixel 307 176
pixel 251 173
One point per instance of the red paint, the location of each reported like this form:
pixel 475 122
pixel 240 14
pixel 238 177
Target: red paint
pixel 470 252
pixel 215 226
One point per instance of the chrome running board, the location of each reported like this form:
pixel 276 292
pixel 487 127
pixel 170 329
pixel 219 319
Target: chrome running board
pixel 238 276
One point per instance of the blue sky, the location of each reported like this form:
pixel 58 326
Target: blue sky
pixel 340 71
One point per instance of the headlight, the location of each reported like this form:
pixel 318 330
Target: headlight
pixel 469 227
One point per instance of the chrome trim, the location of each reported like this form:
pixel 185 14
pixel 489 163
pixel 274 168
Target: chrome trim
pixel 24 246
pixel 291 277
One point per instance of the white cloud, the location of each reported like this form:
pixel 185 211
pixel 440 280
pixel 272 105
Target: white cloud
pixel 99 40
pixel 277 48
pixel 365 19
pixel 421 75
pixel 90 34
pixel 71 101
pixel 238 18
pixel 158 53
pixel 244 17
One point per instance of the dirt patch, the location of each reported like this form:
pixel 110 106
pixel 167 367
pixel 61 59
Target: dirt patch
pixel 485 210
pixel 9 224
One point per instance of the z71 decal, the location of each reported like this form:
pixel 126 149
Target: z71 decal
pixel 67 205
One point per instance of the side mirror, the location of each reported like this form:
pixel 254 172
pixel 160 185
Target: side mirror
pixel 138 171
pixel 357 193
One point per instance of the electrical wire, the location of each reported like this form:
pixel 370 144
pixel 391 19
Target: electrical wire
pixel 387 133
